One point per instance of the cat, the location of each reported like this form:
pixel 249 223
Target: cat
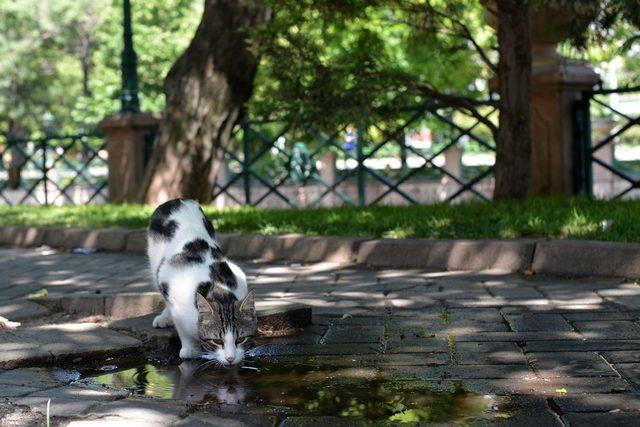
pixel 206 295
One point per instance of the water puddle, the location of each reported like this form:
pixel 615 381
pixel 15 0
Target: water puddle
pixel 306 389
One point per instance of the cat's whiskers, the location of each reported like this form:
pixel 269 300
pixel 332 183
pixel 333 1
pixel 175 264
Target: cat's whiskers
pixel 207 364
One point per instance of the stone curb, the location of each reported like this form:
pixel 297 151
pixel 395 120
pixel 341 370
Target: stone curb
pixel 563 257
pixel 598 258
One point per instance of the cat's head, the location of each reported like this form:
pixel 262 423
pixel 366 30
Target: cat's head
pixel 226 326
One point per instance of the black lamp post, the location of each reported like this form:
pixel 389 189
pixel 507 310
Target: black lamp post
pixel 129 96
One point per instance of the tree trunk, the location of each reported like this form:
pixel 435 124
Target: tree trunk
pixel 513 139
pixel 205 91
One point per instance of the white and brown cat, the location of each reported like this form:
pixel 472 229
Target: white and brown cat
pixel 206 295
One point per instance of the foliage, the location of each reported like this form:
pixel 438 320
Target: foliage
pixel 326 61
pixel 60 60
pixel 553 218
pixel 612 37
pixel 336 61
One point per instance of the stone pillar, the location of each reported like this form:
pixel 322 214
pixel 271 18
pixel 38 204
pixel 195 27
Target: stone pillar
pixel 220 202
pixel 556 84
pixel 603 180
pixel 328 173
pixel 126 134
pixel 453 165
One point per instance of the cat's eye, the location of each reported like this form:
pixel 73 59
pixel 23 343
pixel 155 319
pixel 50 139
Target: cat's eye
pixel 240 340
pixel 217 341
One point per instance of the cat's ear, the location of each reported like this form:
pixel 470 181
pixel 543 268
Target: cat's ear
pixel 247 305
pixel 203 305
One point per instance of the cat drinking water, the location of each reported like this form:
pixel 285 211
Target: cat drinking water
pixel 206 295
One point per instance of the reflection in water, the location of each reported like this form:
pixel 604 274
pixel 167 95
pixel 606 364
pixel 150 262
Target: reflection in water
pixel 309 389
pixel 182 382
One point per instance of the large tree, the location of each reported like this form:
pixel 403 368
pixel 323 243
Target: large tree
pixel 513 135
pixel 347 57
pixel 205 91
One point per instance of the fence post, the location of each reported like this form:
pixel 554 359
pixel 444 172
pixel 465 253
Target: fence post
pixel 43 147
pixel 246 162
pixel 360 133
pixel 583 166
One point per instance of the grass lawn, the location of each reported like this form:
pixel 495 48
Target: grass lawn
pixel 554 218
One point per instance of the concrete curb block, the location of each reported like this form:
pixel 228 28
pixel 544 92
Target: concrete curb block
pixel 564 257
pixel 511 255
pixel 597 258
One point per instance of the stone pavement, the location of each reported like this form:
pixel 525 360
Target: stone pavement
pixel 563 351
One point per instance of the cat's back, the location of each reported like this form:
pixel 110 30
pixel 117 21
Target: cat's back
pixel 175 223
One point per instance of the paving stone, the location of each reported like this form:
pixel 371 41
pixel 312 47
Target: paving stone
pixel 537 322
pixel 619 329
pixel 630 371
pixel 520 336
pixel 67 400
pixel 13 390
pixel 197 420
pixel 565 364
pixel 630 302
pixel 271 350
pixel 19 382
pixel 350 320
pixel 134 411
pixel 580 345
pixel 497 302
pixel 522 411
pixel 20 310
pixel 45 343
pixel 12 415
pixel 353 334
pixel 590 316
pixel 422 345
pixel 318 421
pixel 616 419
pixel 546 387
pixel 465 372
pixel 599 402
pixel 489 353
pixel 514 291
pixel 622 356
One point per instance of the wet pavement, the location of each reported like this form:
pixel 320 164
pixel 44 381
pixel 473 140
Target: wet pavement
pixel 385 347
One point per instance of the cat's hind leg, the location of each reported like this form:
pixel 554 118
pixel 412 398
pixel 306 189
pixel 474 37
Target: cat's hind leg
pixel 163 320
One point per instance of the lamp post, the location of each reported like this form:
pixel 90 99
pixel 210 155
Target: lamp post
pixel 127 131
pixel 129 96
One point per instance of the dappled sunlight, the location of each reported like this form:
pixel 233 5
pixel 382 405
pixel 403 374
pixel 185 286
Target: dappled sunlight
pixel 487 331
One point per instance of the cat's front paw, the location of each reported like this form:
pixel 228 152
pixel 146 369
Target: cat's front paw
pixel 161 321
pixel 189 352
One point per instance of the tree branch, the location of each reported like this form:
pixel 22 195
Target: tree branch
pixel 468 104
pixel 475 44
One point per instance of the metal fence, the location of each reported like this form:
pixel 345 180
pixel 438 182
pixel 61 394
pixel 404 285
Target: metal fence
pixel 419 156
pixel 607 143
pixel 53 170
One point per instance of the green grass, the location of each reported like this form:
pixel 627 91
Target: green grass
pixel 552 218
